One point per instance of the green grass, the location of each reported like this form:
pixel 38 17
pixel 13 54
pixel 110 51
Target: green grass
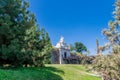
pixel 50 72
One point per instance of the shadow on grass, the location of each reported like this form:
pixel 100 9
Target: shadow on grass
pixel 33 73
pixel 9 67
pixel 49 73
pixel 52 69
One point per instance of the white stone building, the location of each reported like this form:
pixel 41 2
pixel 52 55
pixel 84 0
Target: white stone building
pixel 63 52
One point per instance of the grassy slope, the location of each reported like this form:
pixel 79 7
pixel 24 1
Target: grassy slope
pixel 51 72
pixel 74 72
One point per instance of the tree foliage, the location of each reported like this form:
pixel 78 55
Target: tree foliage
pixel 21 40
pixel 78 47
pixel 109 65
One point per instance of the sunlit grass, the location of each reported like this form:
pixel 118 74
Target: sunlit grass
pixel 74 72
pixel 50 72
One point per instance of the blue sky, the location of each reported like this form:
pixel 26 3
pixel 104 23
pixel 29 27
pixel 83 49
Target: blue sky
pixel 75 20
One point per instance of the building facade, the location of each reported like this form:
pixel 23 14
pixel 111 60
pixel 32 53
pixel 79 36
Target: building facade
pixel 61 52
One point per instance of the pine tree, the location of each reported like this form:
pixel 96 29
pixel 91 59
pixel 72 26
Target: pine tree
pixel 12 29
pixel 42 49
pixel 20 36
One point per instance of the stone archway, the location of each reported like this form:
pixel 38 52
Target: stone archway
pixel 65 54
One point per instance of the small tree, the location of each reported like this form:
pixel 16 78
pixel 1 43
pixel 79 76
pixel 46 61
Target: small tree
pixel 78 47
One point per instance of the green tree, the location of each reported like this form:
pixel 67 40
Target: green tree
pixel 13 25
pixel 21 40
pixel 43 48
pixel 78 47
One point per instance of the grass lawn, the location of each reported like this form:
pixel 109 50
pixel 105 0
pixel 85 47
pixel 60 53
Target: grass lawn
pixel 50 72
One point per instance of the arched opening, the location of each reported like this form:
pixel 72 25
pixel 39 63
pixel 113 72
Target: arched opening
pixel 65 55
